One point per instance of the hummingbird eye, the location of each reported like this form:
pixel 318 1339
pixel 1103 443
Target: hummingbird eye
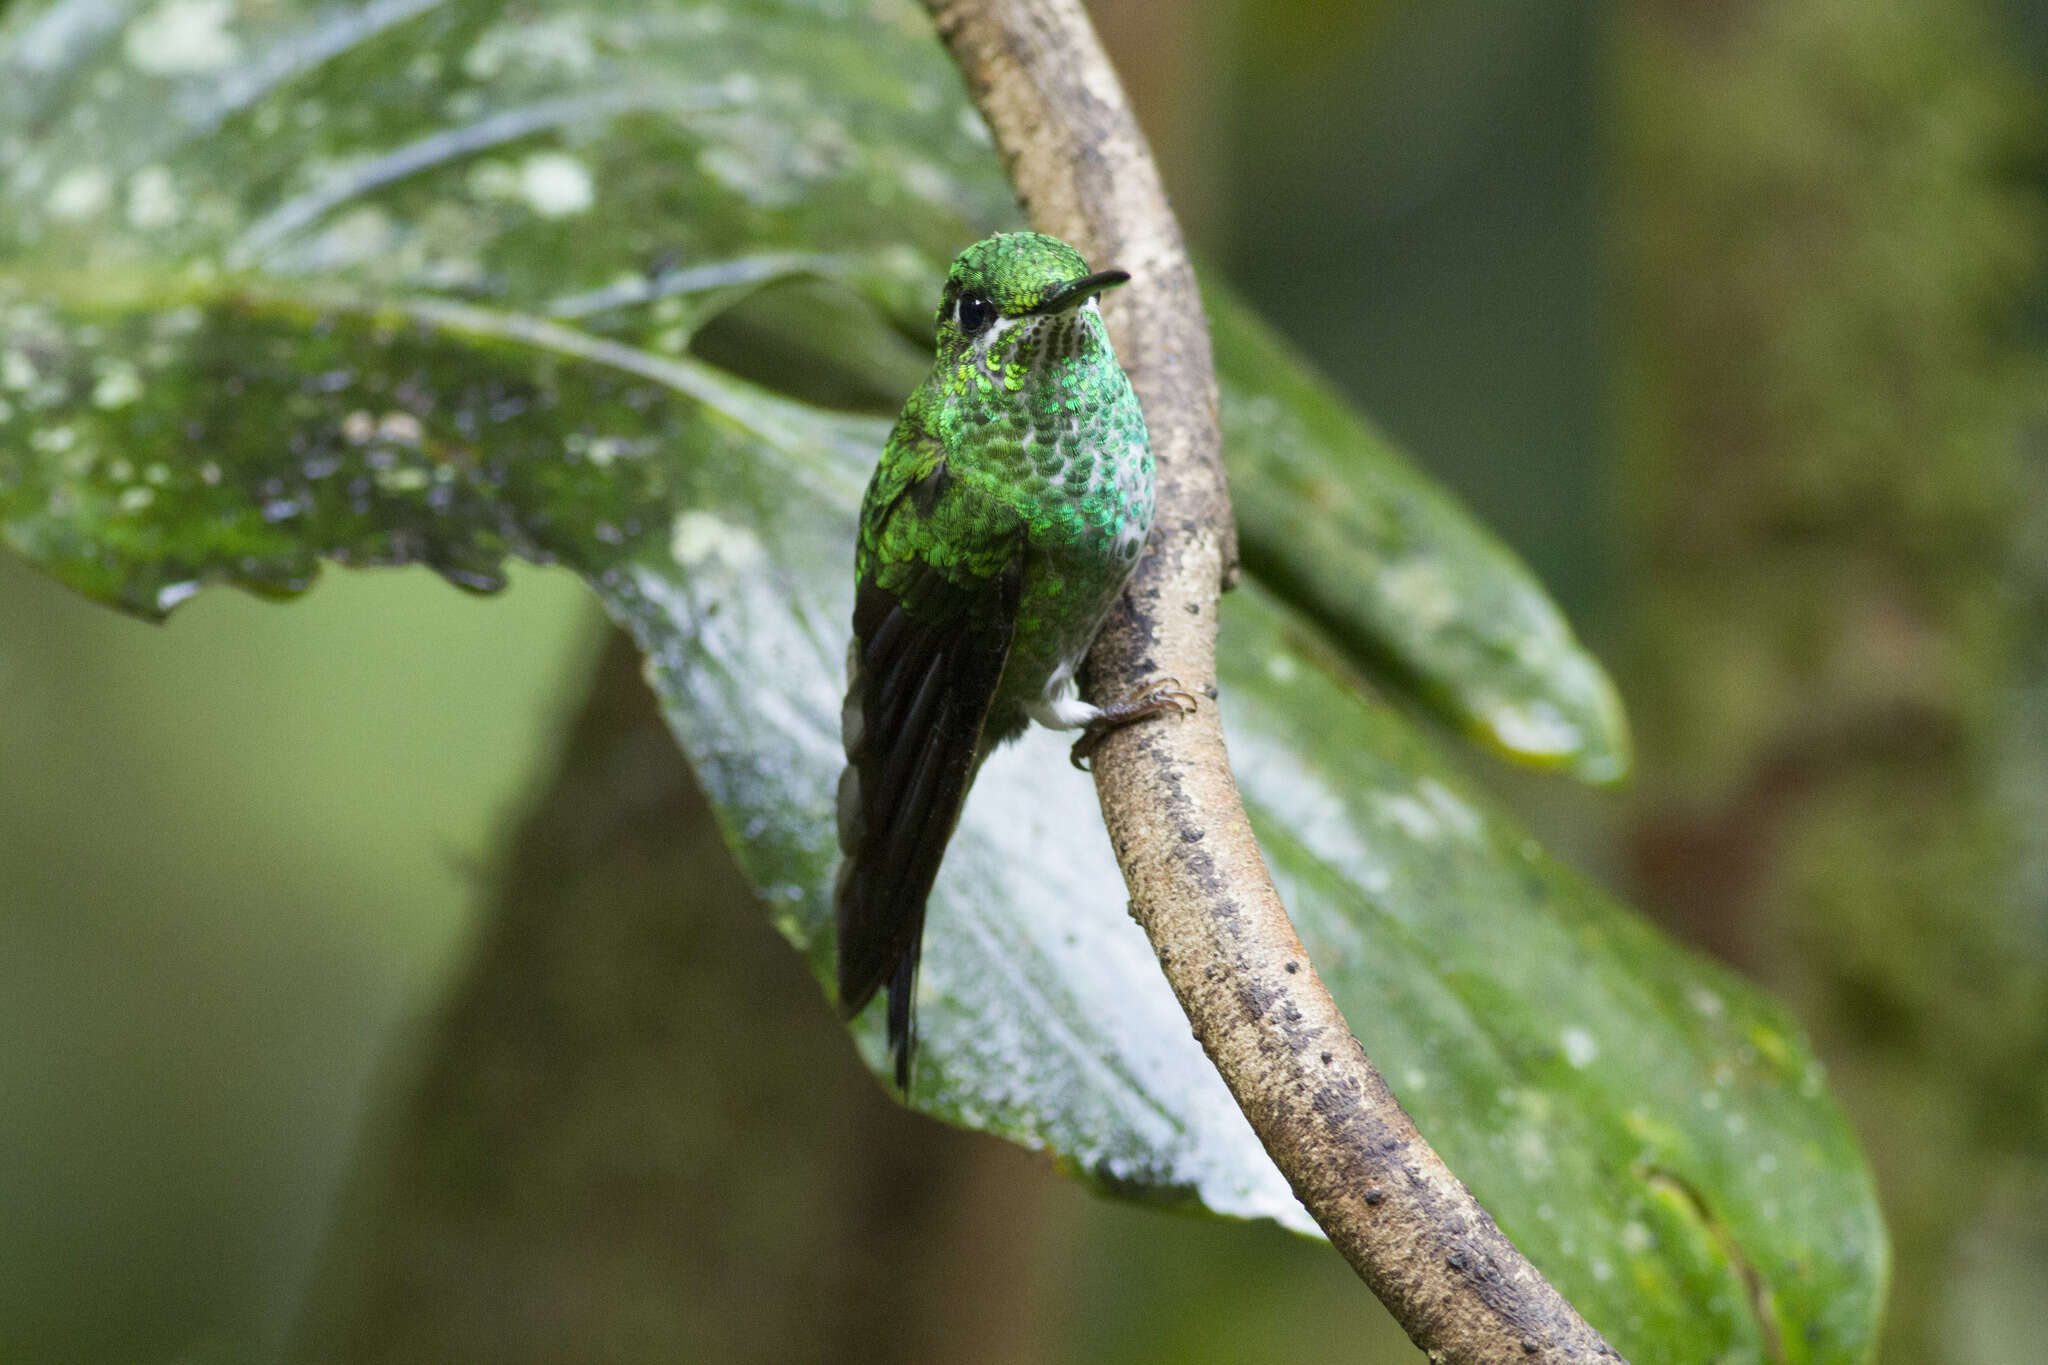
pixel 975 313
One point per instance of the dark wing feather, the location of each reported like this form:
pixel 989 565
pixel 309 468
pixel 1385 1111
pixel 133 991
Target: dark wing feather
pixel 922 673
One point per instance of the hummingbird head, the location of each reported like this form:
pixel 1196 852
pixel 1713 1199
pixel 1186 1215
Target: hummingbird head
pixel 1014 298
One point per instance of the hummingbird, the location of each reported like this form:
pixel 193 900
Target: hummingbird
pixel 1007 510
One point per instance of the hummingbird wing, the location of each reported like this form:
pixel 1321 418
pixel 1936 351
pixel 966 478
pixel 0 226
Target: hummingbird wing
pixel 940 574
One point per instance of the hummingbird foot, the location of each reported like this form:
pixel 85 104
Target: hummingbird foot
pixel 1163 695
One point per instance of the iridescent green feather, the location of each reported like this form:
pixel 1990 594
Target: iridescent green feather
pixel 1009 506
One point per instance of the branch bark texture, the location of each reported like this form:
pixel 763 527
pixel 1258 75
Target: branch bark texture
pixel 1198 884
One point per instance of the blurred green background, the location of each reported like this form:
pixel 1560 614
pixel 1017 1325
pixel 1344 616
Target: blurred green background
pixel 1729 317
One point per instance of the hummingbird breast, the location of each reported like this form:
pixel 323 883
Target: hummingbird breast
pixel 1058 434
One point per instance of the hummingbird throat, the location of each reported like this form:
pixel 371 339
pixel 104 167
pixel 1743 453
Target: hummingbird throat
pixel 1020 350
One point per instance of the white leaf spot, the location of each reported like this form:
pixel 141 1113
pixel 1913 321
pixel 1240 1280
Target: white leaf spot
pixel 1418 587
pixel 401 428
pixel 118 387
pixel 152 199
pixel 81 193
pixel 700 537
pixel 1536 727
pixel 1414 818
pixel 1454 812
pixel 17 371
pixel 179 37
pixel 556 184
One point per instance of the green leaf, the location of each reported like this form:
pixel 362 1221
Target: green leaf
pixel 420 283
pixel 1648 1127
pixel 1336 520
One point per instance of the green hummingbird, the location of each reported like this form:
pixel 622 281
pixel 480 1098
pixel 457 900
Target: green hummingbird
pixel 1008 508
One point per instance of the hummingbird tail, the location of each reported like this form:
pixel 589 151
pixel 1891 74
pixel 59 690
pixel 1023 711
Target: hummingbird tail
pixel 918 696
pixel 903 1015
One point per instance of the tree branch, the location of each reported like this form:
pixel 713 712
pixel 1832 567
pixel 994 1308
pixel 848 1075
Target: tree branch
pixel 1198 884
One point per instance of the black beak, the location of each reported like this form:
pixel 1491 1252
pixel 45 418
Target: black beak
pixel 1073 293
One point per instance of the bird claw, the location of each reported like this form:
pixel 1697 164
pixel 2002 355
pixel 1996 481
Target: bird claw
pixel 1164 694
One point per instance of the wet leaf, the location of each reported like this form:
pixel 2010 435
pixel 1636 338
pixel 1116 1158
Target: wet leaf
pixel 1337 521
pixel 1653 1124
pixel 442 283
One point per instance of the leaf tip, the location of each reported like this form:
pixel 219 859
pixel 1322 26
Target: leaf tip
pixel 1576 725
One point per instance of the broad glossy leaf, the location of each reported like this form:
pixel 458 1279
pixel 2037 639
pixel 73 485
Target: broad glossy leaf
pixel 631 171
pixel 417 283
pixel 1337 521
pixel 1653 1123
